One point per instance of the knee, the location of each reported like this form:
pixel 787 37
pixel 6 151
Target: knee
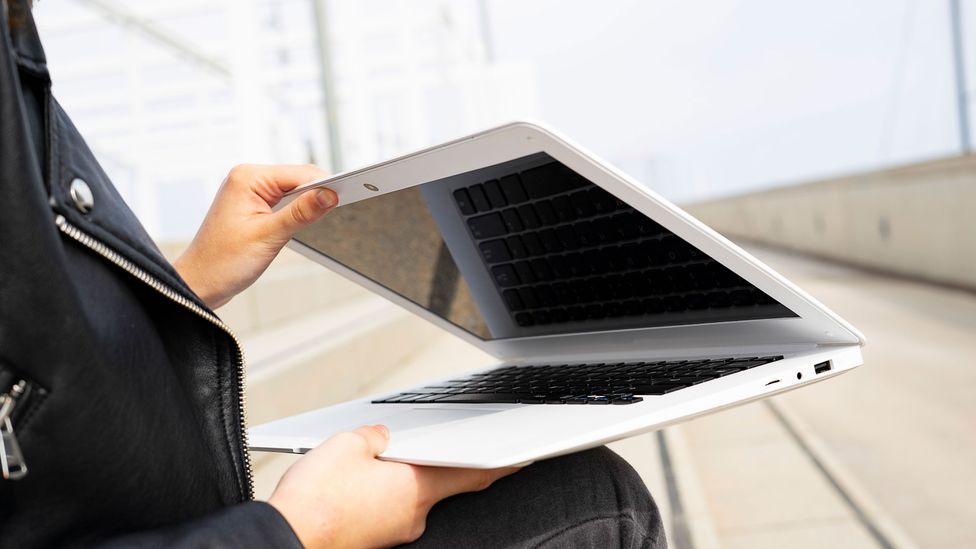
pixel 613 489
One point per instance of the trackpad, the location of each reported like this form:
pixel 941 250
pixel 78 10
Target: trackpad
pixel 418 418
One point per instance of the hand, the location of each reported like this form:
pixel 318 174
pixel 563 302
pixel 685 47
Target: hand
pixel 241 236
pixel 340 495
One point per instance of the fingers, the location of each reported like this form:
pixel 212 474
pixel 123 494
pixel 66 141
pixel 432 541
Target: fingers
pixel 256 189
pixel 301 212
pixel 376 437
pixel 271 182
pixel 443 482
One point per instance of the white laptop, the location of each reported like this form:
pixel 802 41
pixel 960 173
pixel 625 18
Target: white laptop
pixel 611 311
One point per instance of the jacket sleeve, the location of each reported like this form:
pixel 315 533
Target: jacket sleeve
pixel 252 524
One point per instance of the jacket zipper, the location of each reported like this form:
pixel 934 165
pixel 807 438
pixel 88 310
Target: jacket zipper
pixel 12 464
pixel 118 259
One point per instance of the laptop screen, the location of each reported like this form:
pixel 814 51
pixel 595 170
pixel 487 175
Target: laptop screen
pixel 529 247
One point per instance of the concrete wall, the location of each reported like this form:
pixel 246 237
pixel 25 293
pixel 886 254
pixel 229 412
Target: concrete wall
pixel 917 221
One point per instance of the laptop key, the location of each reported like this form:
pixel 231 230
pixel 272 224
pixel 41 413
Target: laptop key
pixel 529 217
pixel 546 213
pixel 505 275
pixel 525 273
pixel 564 208
pixel 495 196
pixel 550 241
pixel 464 202
pixel 512 220
pixel 603 202
pixel 586 234
pixel 544 181
pixel 426 399
pixel 517 247
pixel 542 269
pixel 524 319
pixel 512 189
pixel 534 244
pixel 495 251
pixel 389 400
pixel 582 203
pixel 483 398
pixel 479 198
pixel 600 384
pixel 513 300
pixel 746 365
pixel 542 317
pixel 487 226
pixel 567 237
pixel 529 297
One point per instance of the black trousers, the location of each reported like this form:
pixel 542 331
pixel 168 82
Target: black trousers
pixel 588 499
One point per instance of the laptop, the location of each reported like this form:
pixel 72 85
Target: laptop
pixel 611 311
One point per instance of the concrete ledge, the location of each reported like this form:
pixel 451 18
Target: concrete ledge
pixel 287 291
pixel 917 221
pixel 324 359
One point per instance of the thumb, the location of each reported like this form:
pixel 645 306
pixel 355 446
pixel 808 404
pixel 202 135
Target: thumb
pixel 303 211
pixel 376 436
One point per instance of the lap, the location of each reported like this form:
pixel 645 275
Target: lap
pixel 588 499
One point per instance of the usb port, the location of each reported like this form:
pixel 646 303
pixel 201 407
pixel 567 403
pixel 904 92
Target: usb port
pixel 822 367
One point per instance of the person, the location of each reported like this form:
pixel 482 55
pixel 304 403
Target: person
pixel 122 392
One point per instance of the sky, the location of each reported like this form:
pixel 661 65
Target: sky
pixel 718 97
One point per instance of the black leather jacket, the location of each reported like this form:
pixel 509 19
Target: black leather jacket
pixel 128 391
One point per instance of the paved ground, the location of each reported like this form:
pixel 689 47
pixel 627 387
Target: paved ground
pixel 880 457
pixel 903 427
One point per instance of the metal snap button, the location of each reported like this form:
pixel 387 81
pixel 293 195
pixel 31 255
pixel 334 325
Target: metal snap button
pixel 82 195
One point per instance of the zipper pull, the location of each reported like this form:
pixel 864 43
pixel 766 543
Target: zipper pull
pixel 12 464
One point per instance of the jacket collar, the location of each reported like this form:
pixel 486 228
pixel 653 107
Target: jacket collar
pixel 25 42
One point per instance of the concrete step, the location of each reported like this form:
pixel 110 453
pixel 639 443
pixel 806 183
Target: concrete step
pixel 761 489
pixel 292 286
pixel 327 357
pixel 902 424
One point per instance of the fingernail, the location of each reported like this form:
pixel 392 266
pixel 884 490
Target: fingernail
pixel 325 198
pixel 383 429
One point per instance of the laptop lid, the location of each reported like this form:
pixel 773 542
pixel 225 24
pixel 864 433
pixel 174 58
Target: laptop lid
pixel 528 247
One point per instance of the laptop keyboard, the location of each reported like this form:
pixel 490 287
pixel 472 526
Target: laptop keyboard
pixel 561 249
pixel 623 383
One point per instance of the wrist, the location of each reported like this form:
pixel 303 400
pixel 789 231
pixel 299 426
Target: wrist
pixel 187 267
pixel 313 534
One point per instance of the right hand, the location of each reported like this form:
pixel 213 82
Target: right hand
pixel 341 495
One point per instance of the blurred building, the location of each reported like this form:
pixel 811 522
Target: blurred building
pixel 170 95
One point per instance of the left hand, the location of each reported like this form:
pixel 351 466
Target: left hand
pixel 240 235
